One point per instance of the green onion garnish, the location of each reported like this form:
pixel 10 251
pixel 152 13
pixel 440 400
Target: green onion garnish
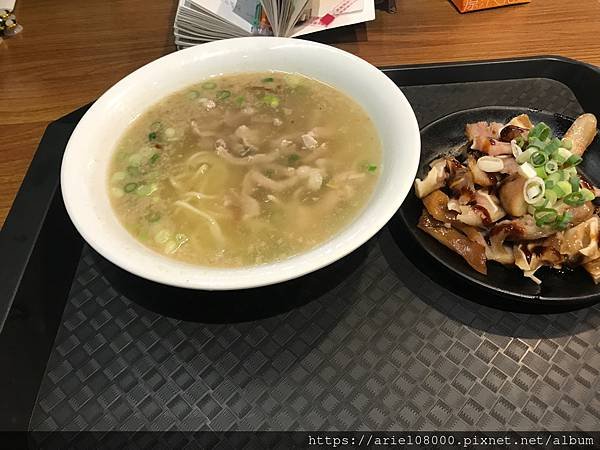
pixel 152 135
pixel 222 95
pixel 551 197
pixel 554 177
pixel 540 131
pixel 574 180
pixel 572 161
pixel 562 221
pixel 551 166
pixel 539 159
pixel 371 167
pixel 293 158
pixel 239 100
pixel 209 85
pixel 567 143
pixel 574 199
pixel 541 172
pixel 587 195
pixel 545 216
pixel 130 187
pixel 520 141
pixel 551 147
pixel 154 158
pixel 524 157
pixel 563 188
pixel 145 189
pixel 271 100
pixel 268 80
pixel 133 171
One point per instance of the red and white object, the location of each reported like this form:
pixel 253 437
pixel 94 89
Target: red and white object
pixel 337 10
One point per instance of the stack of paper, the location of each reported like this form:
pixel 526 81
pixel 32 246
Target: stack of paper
pixel 199 21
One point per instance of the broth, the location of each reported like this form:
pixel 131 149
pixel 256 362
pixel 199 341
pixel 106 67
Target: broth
pixel 244 169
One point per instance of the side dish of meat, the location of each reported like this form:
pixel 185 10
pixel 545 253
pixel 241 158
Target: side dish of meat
pixel 515 196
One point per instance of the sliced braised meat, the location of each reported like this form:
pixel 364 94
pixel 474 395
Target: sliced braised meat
pixel 472 252
pixel 491 146
pixel 511 196
pixel 436 204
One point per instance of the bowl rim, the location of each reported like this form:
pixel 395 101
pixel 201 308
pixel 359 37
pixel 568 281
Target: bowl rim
pixel 270 273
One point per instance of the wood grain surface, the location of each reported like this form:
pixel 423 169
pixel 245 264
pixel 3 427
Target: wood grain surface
pixel 70 52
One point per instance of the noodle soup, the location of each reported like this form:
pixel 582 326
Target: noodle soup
pixel 244 169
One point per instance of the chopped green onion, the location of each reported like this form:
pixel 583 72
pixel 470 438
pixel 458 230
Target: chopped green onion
pixel 152 136
pixel 271 100
pixel 539 159
pixel 540 131
pixel 541 172
pixel 562 221
pixel 133 171
pixel 569 172
pixel 535 145
pixel 526 170
pixel 268 80
pixel 551 166
pixel 239 100
pixel 558 191
pixel 153 217
pixel 193 95
pixel 269 173
pixel 541 203
pixel 371 168
pixel 554 177
pixel 567 144
pixel 146 189
pixel 572 161
pixel 222 95
pixel 574 180
pixel 293 158
pixel 545 216
pixel 574 199
pixel 552 146
pixel 135 159
pixel 551 196
pixel 563 186
pixel 587 195
pixel 130 187
pixel 533 190
pixel 209 85
pixel 520 141
pixel 154 158
pixel 562 154
pixel 524 157
pixel 549 184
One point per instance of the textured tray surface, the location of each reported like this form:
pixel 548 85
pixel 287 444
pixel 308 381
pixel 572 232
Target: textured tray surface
pixel 386 349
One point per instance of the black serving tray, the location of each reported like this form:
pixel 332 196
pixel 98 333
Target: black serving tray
pixel 383 339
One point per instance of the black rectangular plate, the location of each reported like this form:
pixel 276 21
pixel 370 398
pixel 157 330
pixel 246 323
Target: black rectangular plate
pixel 371 342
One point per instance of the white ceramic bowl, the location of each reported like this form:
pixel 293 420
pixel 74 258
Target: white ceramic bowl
pixel 86 161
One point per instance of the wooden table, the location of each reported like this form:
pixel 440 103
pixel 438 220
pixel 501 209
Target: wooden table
pixel 70 52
